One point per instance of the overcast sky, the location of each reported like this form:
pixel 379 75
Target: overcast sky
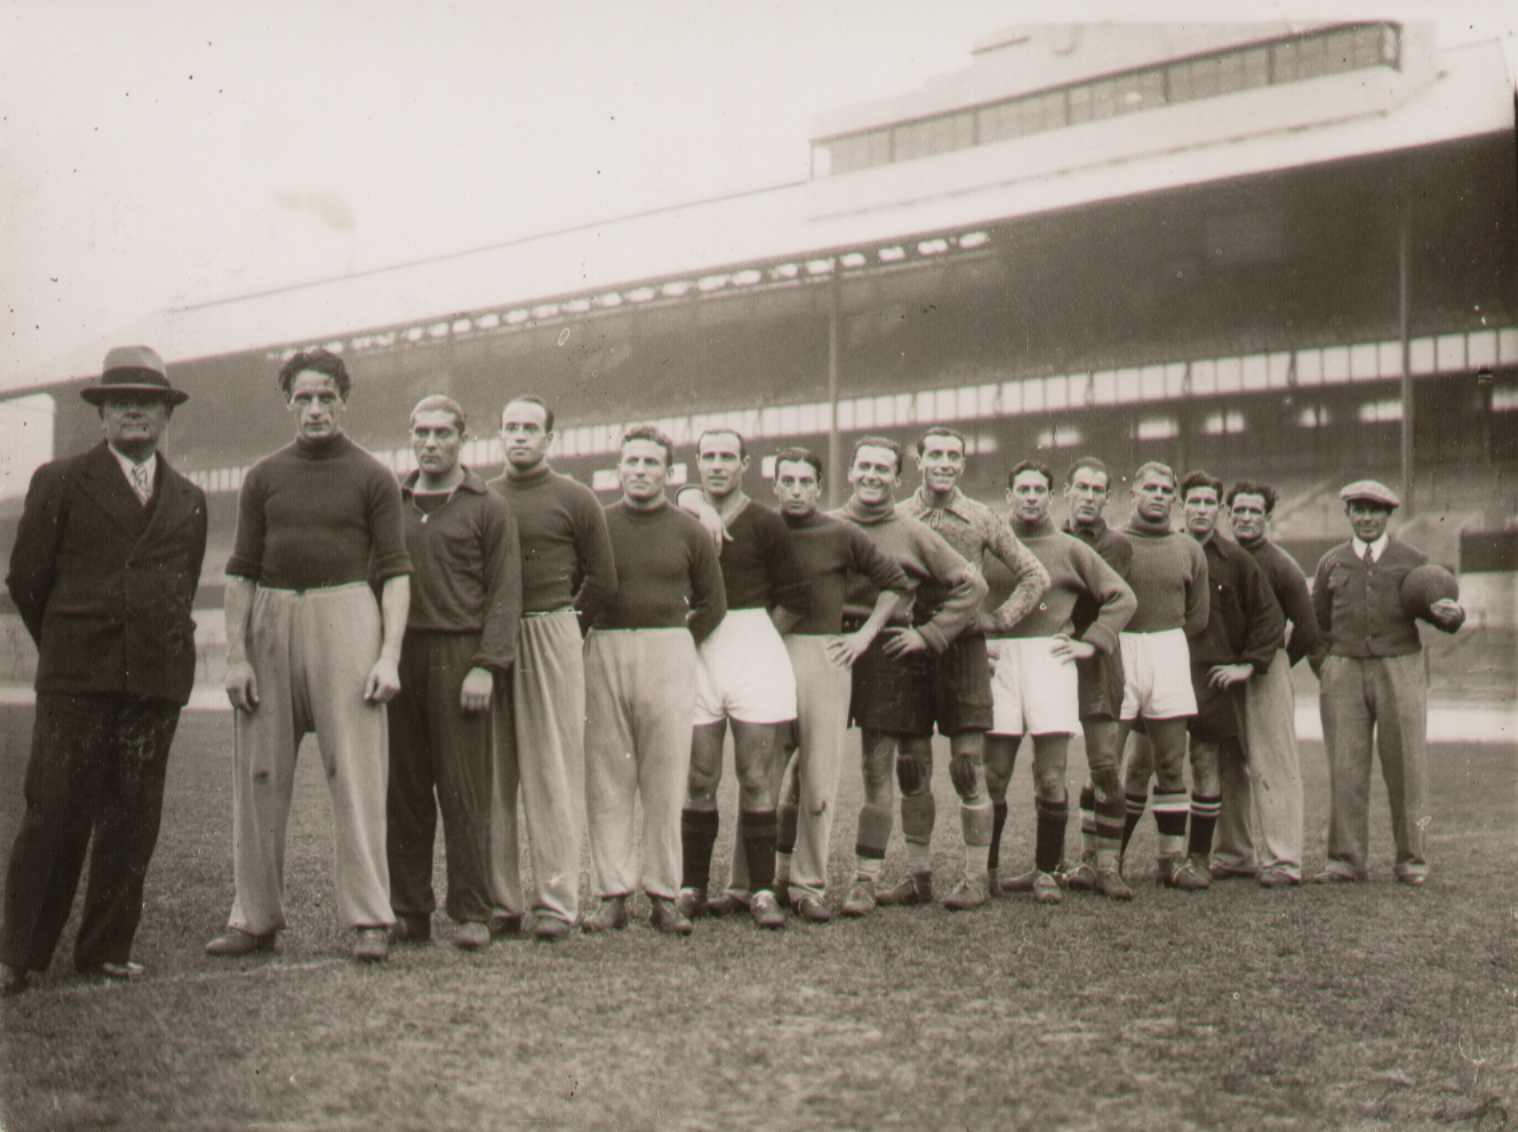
pixel 161 153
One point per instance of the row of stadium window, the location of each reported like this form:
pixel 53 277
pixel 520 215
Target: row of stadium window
pixel 1205 377
pixel 1335 51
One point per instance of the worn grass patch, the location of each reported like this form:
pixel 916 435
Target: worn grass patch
pixel 1370 1006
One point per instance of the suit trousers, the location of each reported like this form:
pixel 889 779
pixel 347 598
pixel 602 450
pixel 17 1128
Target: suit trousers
pixel 435 745
pixel 539 751
pixel 1382 700
pixel 311 652
pixel 640 700
pixel 1261 823
pixel 96 770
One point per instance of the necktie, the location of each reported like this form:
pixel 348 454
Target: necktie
pixel 141 484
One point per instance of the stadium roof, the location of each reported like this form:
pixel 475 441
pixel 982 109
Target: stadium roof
pixel 1464 92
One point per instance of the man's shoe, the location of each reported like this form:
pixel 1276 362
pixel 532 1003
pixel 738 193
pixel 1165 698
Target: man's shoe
pixel 1110 883
pixel 1334 876
pixel 12 980
pixel 1277 878
pixel 121 972
pixel 766 911
pixel 969 893
pixel 728 904
pixel 371 945
pixel 504 924
pixel 667 917
pixel 1413 879
pixel 1177 871
pixel 861 898
pixel 611 916
pixel 693 903
pixel 915 888
pixel 1046 889
pixel 1080 877
pixel 1023 882
pixel 1218 871
pixel 550 929
pixel 813 910
pixel 410 928
pixel 238 942
pixel 473 936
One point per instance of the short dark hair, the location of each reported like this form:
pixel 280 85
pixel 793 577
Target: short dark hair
pixel 533 399
pixel 317 361
pixel 438 403
pixel 742 445
pixel 799 455
pixel 650 432
pixel 1089 462
pixel 1250 487
pixel 1031 466
pixel 877 442
pixel 1154 466
pixel 1198 479
pixel 943 430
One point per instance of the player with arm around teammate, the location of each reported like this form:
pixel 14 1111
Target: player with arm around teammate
pixel 960 673
pixel 895 699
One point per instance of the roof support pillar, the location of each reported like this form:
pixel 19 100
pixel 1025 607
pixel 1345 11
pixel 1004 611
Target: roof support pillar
pixel 1404 243
pixel 835 475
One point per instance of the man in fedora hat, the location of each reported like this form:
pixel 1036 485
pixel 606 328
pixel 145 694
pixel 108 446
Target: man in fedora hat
pixel 104 571
pixel 1373 683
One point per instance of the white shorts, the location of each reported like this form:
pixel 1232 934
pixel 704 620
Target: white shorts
pixel 743 672
pixel 1032 693
pixel 1156 675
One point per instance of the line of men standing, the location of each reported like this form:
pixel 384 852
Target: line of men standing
pixel 460 606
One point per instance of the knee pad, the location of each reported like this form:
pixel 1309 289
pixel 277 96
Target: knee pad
pixel 914 771
pixel 1106 783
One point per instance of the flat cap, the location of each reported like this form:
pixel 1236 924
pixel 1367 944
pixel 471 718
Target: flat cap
pixel 1371 492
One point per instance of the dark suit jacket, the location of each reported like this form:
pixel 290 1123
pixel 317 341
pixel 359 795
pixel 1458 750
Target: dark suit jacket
pixel 104 585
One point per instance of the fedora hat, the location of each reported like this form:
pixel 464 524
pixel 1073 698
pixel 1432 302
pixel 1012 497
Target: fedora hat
pixel 133 369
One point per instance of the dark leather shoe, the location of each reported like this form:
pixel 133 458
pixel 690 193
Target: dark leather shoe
pixel 371 945
pixel 916 888
pixel 12 980
pixel 410 928
pixel 611 916
pixel 238 942
pixel 727 904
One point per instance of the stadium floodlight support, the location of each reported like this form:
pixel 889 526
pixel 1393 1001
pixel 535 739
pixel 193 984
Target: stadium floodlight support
pixel 1404 241
pixel 835 438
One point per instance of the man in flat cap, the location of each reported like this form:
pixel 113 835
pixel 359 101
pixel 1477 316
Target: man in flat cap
pixel 104 571
pixel 1373 683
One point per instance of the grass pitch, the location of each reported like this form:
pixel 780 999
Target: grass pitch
pixel 1367 1006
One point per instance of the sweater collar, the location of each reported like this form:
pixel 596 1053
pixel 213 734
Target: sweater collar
pixel 470 482
pixel 1143 528
pixel 324 449
pixel 868 515
pixel 1041 529
pixel 531 478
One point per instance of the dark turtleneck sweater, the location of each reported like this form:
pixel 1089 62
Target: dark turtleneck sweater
pixel 1075 571
pixel 564 543
pixel 929 564
pixel 668 576
pixel 1169 578
pixel 318 514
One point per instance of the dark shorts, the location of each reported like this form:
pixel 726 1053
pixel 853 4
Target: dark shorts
pixel 1100 685
pixel 907 695
pixel 1219 712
